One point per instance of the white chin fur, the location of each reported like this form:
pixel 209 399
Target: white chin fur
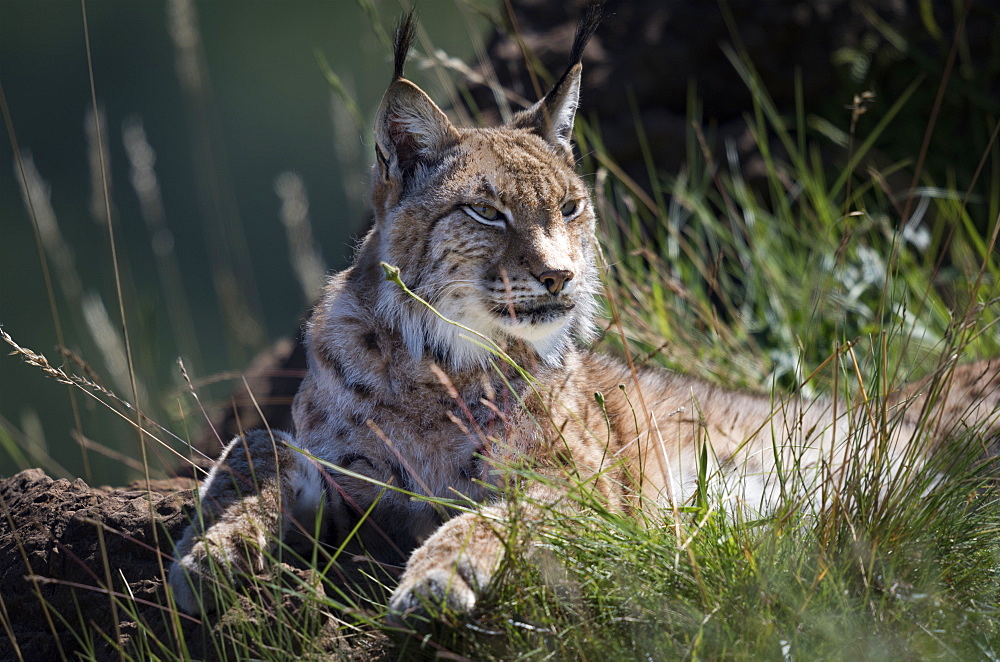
pixel 534 333
pixel 422 329
pixel 549 339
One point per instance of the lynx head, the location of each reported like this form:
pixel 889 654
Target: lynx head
pixel 492 225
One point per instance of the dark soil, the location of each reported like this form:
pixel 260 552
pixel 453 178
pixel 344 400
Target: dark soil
pixel 62 544
pixel 54 538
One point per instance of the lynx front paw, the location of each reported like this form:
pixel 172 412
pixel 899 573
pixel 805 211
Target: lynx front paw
pixel 259 486
pixel 182 585
pixel 187 584
pixel 213 565
pixel 422 598
pixel 447 575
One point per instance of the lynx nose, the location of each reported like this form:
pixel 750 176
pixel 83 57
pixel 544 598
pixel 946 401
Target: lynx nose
pixel 555 279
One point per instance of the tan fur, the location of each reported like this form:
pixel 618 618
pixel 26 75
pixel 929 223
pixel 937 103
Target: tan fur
pixel 396 396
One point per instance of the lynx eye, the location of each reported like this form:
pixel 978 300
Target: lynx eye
pixel 569 209
pixel 486 214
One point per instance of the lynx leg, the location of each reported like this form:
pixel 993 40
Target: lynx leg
pixel 248 502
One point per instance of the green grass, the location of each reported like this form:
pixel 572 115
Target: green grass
pixel 805 278
pixel 910 583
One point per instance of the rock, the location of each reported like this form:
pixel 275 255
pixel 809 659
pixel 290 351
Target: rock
pixel 60 541
pixel 54 537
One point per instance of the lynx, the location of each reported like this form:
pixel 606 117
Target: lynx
pixel 454 347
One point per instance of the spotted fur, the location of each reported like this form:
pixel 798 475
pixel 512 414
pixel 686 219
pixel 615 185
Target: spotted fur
pixel 494 230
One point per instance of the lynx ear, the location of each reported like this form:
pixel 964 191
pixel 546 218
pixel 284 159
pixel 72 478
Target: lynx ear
pixel 552 117
pixel 409 127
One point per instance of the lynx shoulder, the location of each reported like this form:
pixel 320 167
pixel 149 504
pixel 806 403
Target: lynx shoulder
pixel 423 393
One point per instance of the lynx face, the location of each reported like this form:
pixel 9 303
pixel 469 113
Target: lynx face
pixel 491 226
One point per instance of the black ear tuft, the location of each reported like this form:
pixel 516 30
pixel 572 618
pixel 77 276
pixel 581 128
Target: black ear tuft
pixel 409 127
pixel 584 31
pixel 402 42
